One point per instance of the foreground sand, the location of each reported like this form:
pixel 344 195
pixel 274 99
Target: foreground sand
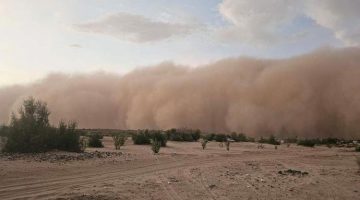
pixel 185 171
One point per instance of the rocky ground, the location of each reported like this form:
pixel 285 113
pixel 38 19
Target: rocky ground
pixel 58 156
pixel 183 171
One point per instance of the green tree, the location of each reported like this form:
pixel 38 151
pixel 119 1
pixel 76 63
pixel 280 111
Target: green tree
pixel 30 131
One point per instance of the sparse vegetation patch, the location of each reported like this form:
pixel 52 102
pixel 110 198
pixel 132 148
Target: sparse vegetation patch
pixel 119 140
pixel 183 135
pixel 293 172
pixel 306 142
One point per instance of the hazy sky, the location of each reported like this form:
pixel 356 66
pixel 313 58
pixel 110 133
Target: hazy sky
pixel 38 37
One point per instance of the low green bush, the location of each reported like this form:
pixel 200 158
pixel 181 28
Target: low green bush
pixel 291 140
pixel 119 140
pixel 145 137
pixel 183 135
pixel 95 141
pixel 307 142
pixel 196 135
pixel 209 137
pixel 155 146
pixel 241 137
pixel 142 137
pixel 159 137
pixel 220 137
pixel 329 141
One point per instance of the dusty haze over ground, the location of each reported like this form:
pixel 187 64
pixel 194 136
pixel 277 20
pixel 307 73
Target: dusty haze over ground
pixel 313 95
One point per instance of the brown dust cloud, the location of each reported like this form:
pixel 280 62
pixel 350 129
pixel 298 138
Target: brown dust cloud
pixel 312 95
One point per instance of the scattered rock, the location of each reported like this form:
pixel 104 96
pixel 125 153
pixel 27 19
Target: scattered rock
pixel 57 156
pixel 172 180
pixel 212 186
pixel 293 172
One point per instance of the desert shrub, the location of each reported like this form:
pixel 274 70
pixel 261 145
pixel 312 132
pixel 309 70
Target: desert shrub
pixel 95 141
pixel 145 137
pixel 155 146
pixel 291 140
pixel 329 141
pixel 209 137
pixel 271 140
pixel 97 133
pixel 186 135
pixel 307 142
pixel 31 131
pixel 4 130
pixel 68 137
pixel 241 137
pixel 262 140
pixel 119 140
pixel 196 135
pixel 172 135
pixel 220 138
pixel 160 137
pixel 250 139
pixel 3 141
pixel 227 144
pixel 142 137
pixel 3 137
pixel 203 143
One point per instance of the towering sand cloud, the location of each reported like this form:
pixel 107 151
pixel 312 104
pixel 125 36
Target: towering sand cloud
pixel 313 95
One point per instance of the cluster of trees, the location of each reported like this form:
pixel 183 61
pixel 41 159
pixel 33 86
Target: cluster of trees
pixel 220 137
pixel 183 135
pixel 317 141
pixel 30 131
pixel 147 136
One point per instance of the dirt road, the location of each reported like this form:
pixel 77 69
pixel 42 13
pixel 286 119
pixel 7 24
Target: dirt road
pixel 185 171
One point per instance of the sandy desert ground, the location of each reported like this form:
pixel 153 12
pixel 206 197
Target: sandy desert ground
pixel 185 171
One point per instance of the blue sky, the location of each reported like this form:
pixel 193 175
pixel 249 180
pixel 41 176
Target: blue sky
pixel 39 37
